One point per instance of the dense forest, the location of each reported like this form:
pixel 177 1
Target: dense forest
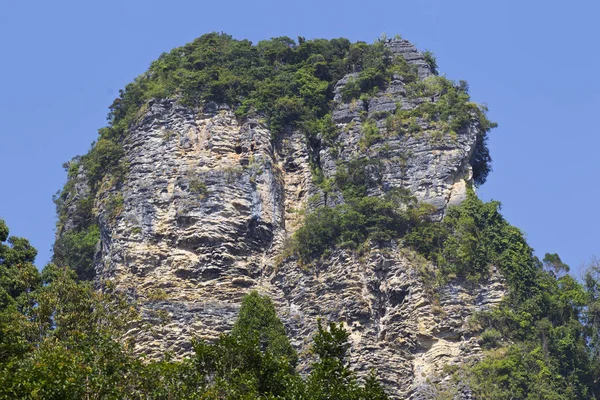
pixel 62 338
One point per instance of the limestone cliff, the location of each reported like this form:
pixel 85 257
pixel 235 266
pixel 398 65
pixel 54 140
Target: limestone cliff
pixel 209 200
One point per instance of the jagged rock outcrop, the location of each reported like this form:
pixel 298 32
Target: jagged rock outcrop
pixel 384 303
pixel 209 200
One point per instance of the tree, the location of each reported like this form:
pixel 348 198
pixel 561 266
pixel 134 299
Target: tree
pixel 256 358
pixel 330 377
pixel 59 338
pixel 18 275
pixel 552 262
pixel 258 321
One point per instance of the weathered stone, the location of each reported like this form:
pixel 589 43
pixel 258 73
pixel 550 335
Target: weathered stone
pixel 209 202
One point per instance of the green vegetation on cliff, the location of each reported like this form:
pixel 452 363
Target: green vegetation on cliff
pixel 285 82
pixel 61 339
pixel 541 341
pixel 361 218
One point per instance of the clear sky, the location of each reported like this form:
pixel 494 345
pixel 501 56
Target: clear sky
pixel 534 63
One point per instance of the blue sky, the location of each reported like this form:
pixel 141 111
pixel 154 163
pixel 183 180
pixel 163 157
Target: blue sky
pixel 533 63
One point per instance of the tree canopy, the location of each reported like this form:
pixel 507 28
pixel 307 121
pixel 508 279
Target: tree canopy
pixel 61 339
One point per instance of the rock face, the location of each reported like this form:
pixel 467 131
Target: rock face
pixel 394 325
pixel 209 201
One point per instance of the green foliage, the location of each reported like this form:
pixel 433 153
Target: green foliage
pixel 554 367
pixel 356 177
pixel 322 127
pixel 61 339
pixel 76 249
pixel 285 81
pixel 332 343
pixel 330 377
pixel 104 158
pixel 351 90
pixel 370 134
pixel 472 237
pixel 199 187
pixel 451 112
pixel 18 275
pixel 258 321
pixel 319 232
pixel 361 218
pixel 542 340
pixel 591 281
pixel 555 264
pixel 114 205
pixel 431 61
pixel 255 360
pixel 491 338
pixel 3 231
pixel 482 160
pixel 407 72
pixel 157 295
pixel 239 369
pixel 18 279
pixel 369 81
pixel 376 66
pixel 548 334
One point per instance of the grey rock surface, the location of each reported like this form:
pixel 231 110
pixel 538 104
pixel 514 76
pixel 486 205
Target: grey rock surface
pixel 68 200
pixel 209 202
